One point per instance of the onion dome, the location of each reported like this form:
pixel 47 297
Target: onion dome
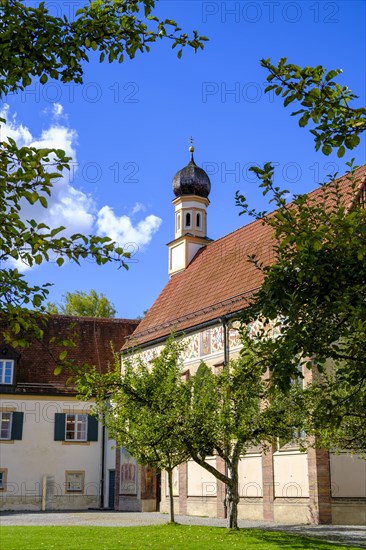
pixel 191 180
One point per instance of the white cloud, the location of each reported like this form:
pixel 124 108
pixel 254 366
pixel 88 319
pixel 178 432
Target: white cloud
pixel 121 229
pixel 138 207
pixel 67 205
pixel 57 110
pixel 13 129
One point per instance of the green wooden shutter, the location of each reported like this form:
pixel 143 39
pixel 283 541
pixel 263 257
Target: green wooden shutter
pixel 17 425
pixel 92 428
pixel 60 419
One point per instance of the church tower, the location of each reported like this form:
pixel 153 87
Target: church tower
pixel 191 187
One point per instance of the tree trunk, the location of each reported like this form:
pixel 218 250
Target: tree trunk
pixel 171 498
pixel 232 498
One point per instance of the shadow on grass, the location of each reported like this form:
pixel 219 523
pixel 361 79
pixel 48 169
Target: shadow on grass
pixel 292 540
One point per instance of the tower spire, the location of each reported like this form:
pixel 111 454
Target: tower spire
pixel 191 147
pixel 191 187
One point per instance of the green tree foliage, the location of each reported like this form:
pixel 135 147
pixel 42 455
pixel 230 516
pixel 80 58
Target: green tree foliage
pixel 163 420
pixel 81 304
pixel 35 44
pixel 316 289
pixel 145 408
pixel 324 102
pixel 231 412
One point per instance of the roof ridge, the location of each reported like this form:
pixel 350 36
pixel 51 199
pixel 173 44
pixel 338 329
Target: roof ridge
pixel 219 273
pixel 319 186
pixel 88 318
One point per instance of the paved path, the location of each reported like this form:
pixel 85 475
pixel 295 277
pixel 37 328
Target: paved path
pixel 352 535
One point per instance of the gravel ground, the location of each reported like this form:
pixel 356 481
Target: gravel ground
pixel 352 535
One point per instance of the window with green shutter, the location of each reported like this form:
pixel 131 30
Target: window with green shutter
pixel 11 425
pixel 60 419
pixel 75 427
pixel 92 428
pixel 17 426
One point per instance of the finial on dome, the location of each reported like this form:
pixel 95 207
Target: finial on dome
pixel 191 147
pixel 191 180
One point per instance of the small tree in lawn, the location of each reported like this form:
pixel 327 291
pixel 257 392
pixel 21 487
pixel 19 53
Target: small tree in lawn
pixel 144 410
pixel 230 412
pixel 163 421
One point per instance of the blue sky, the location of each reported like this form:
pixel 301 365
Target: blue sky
pixel 128 126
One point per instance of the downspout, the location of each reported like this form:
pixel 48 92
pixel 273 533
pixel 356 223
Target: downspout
pixel 226 341
pixel 102 480
pixel 226 365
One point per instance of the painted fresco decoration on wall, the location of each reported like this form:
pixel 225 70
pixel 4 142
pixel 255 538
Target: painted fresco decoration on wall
pixel 217 339
pixel 150 354
pixel 200 344
pixel 234 334
pixel 205 342
pixel 192 344
pixel 128 478
pixel 271 329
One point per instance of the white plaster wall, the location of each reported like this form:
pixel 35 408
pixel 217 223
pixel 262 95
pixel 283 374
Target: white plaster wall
pixel 37 454
pixel 294 511
pixel 250 509
pixel 189 204
pixel 202 506
pixel 348 513
pixel 348 476
pixel 193 248
pixel 175 482
pixel 250 476
pixel 110 461
pixel 291 475
pixel 177 257
pixel 110 464
pixel 201 483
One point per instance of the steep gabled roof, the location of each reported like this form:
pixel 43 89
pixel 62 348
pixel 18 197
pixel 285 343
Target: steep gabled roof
pixel 220 279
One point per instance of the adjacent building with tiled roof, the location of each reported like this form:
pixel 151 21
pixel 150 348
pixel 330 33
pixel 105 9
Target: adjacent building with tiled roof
pixel 210 283
pixel 54 455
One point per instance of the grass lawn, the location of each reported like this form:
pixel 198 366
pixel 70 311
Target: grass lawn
pixel 157 537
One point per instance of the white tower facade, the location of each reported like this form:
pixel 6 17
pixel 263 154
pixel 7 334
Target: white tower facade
pixel 191 186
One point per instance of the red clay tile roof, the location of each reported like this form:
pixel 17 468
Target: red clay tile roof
pixel 93 337
pixel 218 281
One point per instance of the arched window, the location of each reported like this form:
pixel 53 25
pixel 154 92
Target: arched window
pixel 188 219
pixel 198 220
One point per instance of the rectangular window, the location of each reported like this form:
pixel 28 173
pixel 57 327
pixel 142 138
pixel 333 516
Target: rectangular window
pixel 3 473
pixel 76 427
pixel 5 425
pixel 75 482
pixel 6 371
